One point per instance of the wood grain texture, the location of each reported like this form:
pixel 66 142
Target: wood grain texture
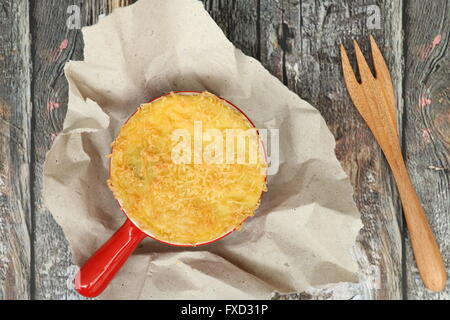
pixel 15 222
pixel 54 44
pixel 300 45
pixel 239 20
pixel 427 125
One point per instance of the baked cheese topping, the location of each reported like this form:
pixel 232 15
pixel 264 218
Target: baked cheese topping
pixel 185 203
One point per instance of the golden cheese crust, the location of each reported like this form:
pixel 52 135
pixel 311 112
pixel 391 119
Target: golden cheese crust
pixel 185 203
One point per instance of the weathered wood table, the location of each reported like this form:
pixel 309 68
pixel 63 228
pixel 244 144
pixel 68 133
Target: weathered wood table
pixel 297 40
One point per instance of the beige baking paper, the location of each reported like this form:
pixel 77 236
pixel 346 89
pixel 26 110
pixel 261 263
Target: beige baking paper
pixel 305 229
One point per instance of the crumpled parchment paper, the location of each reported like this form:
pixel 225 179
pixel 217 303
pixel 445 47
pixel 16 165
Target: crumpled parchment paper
pixel 304 231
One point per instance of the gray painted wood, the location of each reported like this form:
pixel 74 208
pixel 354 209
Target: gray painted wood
pixel 300 42
pixel 15 222
pixel 427 125
pixel 239 20
pixel 53 45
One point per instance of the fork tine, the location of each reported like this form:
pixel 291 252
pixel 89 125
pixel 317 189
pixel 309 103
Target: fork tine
pixel 364 70
pixel 379 62
pixel 384 76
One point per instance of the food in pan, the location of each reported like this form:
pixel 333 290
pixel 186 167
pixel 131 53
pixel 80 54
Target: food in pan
pixel 176 180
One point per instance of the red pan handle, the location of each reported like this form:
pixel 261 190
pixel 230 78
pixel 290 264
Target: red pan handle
pixel 95 275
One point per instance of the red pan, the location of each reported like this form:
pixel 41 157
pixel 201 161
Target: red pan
pixel 95 275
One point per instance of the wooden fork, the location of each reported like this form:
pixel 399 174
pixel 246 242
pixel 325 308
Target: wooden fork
pixel 374 98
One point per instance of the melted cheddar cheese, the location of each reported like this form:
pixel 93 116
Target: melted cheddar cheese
pixel 183 203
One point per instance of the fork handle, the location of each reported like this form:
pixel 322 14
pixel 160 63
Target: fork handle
pixel 426 251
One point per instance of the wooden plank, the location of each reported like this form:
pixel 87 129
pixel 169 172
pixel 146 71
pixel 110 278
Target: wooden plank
pixel 299 45
pixel 15 110
pixel 53 45
pixel 427 125
pixel 239 20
